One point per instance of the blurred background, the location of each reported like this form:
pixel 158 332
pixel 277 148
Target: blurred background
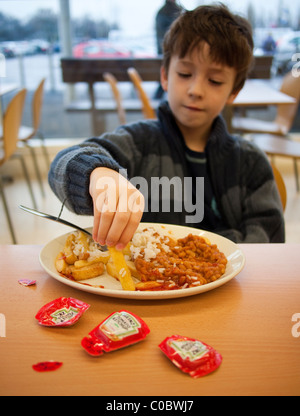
pixel 36 34
pixel 30 41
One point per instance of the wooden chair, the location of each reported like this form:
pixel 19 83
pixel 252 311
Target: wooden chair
pixel 276 146
pixel 272 137
pixel 11 124
pixel 285 113
pixel 112 81
pixel 280 185
pixel 147 108
pixel 26 133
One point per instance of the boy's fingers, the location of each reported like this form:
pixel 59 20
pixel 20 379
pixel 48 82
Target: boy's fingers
pixel 120 222
pixel 96 203
pixel 129 231
pixel 96 226
pixel 107 209
pixel 106 220
pixel 117 212
pixel 126 225
pixel 122 216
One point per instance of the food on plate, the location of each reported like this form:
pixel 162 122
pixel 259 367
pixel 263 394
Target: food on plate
pixel 81 258
pixel 120 269
pixel 164 263
pixel 153 260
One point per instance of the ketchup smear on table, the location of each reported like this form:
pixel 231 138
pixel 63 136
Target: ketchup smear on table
pixel 47 366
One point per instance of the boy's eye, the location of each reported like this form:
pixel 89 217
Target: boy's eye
pixel 214 82
pixel 184 74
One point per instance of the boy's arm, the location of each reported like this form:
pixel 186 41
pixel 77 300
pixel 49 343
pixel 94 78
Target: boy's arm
pixel 87 179
pixel 256 233
pixel 69 175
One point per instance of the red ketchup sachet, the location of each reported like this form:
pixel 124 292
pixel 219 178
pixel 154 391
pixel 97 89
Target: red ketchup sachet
pixel 118 330
pixel 61 312
pixel 190 355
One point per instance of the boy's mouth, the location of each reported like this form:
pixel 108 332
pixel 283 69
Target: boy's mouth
pixel 193 108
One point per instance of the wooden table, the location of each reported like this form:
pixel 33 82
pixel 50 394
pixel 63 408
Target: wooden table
pixel 256 93
pixel 90 71
pixel 7 88
pixel 260 93
pixel 248 320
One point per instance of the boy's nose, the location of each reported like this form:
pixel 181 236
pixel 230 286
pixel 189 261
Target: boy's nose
pixel 196 89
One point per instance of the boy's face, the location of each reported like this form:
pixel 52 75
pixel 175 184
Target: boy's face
pixel 198 89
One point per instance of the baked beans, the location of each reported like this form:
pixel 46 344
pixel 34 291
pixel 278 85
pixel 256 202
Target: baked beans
pixel 189 262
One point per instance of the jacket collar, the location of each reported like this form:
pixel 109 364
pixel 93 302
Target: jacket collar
pixel 219 135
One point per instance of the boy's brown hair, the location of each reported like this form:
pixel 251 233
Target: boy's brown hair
pixel 228 35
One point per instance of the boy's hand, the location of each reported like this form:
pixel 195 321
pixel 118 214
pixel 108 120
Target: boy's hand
pixel 118 208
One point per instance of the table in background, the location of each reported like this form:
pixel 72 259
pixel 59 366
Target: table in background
pixel 260 93
pixel 7 88
pixel 248 320
pixel 90 71
pixel 256 93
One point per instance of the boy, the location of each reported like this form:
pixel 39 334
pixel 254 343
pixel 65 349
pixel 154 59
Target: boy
pixel 207 55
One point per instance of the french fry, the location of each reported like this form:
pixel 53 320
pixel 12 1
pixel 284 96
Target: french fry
pixel 122 271
pixel 68 251
pixel 82 263
pixel 86 272
pixel 150 285
pixel 60 263
pixel 133 270
pixel 126 250
pixel 83 240
pixel 111 269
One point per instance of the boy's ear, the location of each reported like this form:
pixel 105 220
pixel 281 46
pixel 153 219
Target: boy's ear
pixel 232 97
pixel 164 79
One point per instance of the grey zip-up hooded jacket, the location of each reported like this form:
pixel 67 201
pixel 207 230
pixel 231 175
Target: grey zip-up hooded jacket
pixel 152 153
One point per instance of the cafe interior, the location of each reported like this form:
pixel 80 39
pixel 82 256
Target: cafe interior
pixel 97 95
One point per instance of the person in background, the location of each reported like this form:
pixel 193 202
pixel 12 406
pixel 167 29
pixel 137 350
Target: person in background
pixel 269 45
pixel 164 18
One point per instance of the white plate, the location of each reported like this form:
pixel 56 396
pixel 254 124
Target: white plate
pixel 112 287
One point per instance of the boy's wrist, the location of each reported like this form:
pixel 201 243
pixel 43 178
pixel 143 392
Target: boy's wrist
pixel 97 173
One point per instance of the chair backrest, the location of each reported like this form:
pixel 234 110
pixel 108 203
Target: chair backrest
pixel 37 103
pixel 286 113
pixel 111 79
pixel 11 123
pixel 280 185
pixel 147 108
